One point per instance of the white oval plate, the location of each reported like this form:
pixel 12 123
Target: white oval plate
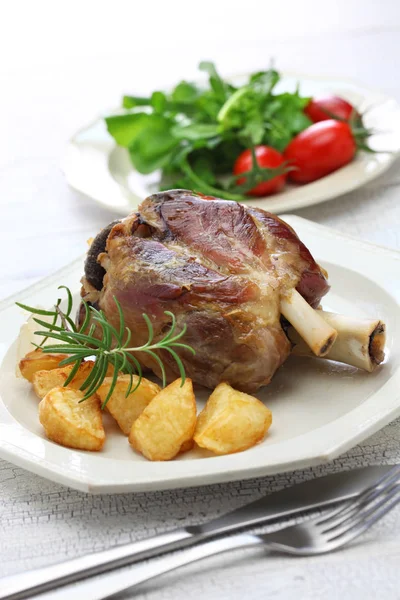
pixel 95 166
pixel 320 409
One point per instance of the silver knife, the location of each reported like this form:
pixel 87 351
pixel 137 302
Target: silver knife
pixel 312 494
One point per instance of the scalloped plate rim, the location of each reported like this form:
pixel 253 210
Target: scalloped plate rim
pixel 96 473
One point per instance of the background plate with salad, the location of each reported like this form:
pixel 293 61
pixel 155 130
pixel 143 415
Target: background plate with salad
pixel 277 141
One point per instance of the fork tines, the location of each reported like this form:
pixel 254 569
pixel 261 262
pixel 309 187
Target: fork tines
pixel 358 515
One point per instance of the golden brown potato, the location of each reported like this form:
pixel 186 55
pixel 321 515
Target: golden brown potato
pixel 186 446
pixel 71 423
pixel 166 423
pixel 37 360
pixel 44 381
pixel 126 410
pixel 231 421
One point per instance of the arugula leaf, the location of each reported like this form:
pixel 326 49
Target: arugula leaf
pixel 134 101
pixel 265 81
pixel 285 118
pixel 253 131
pixel 124 128
pixel 199 185
pixel 217 84
pixel 184 93
pixel 285 106
pixel 151 147
pixel 158 102
pixel 300 121
pixel 208 107
pixel 244 109
pixel 195 131
pixel 235 101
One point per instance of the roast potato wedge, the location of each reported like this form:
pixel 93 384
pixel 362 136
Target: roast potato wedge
pixel 186 446
pixel 231 421
pixel 72 423
pixel 44 381
pixel 37 360
pixel 167 423
pixel 126 410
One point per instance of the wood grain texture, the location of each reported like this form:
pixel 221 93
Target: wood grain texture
pixel 42 523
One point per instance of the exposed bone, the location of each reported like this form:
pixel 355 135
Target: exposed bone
pixel 360 342
pixel 312 328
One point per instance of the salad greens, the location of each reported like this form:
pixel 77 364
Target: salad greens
pixel 194 134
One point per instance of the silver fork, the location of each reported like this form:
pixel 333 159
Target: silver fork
pixel 319 535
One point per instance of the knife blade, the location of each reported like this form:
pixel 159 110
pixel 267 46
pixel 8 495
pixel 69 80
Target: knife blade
pixel 312 494
pixel 306 496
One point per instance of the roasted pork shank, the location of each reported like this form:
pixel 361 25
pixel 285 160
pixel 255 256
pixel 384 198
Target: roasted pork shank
pixel 224 269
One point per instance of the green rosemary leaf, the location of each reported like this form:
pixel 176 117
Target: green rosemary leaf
pixel 177 337
pixel 113 384
pixel 70 360
pixel 53 349
pixel 106 335
pixel 85 397
pixel 112 331
pixel 139 372
pixel 36 311
pixel 130 385
pixel 75 336
pixel 74 371
pixel 160 364
pixel 108 329
pixel 96 378
pixel 94 311
pixel 181 333
pixel 71 323
pixel 102 374
pixel 123 359
pixel 86 319
pixel 121 319
pixel 49 325
pixel 65 319
pixel 149 328
pixel 185 347
pixel 105 343
pixel 69 299
pixel 61 336
pixel 179 363
pixel 128 337
pixel 62 348
pixel 172 327
pixel 93 373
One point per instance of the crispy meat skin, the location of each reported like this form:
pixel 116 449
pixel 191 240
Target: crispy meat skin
pixel 221 268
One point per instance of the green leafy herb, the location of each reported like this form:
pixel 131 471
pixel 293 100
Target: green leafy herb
pixel 107 346
pixel 194 134
pixel 185 93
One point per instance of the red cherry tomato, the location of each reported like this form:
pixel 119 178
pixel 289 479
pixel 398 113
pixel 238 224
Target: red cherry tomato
pixel 266 157
pixel 319 150
pixel 322 109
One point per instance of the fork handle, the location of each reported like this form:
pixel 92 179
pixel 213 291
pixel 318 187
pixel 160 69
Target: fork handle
pixel 108 585
pixel 33 582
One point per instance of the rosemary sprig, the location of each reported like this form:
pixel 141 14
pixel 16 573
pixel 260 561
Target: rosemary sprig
pixel 109 347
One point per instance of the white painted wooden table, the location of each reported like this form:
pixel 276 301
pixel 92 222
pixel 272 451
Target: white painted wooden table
pixel 62 69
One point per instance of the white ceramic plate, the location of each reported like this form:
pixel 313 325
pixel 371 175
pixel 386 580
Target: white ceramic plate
pixel 320 409
pixel 95 166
